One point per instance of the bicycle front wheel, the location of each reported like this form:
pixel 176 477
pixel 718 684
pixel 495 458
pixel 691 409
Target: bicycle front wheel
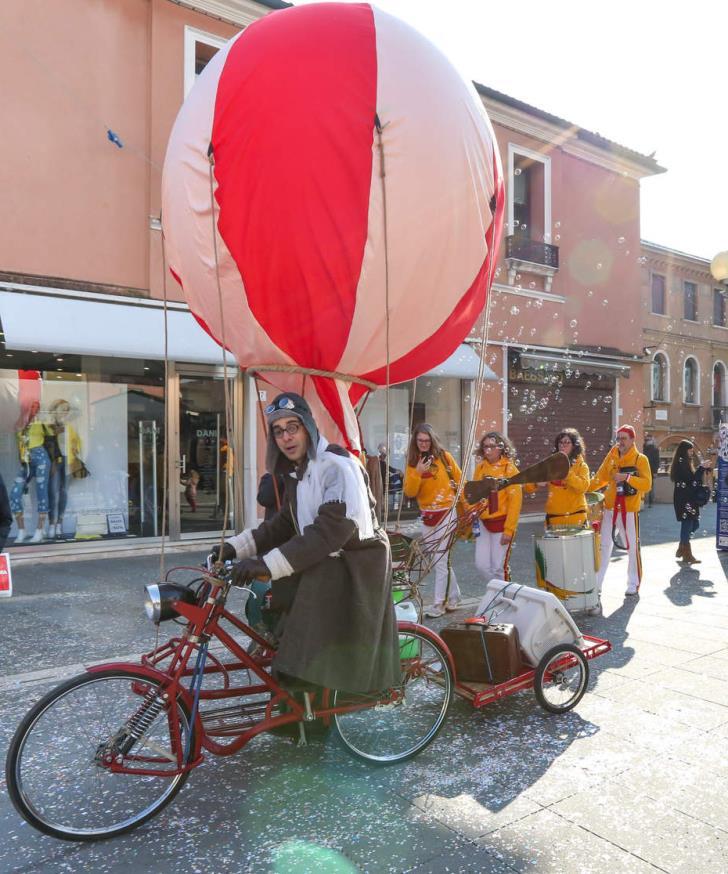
pixel 398 724
pixel 58 766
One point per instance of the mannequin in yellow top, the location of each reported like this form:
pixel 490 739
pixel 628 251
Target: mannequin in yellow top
pixel 432 477
pixel 499 515
pixel 566 504
pixel 627 476
pixel 67 449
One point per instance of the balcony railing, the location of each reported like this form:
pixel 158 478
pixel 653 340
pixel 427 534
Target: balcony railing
pixel 523 249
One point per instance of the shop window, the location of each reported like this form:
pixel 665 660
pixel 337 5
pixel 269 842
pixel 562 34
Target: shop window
pixel 660 378
pixel 82 446
pixel 658 294
pixel 436 400
pixel 200 48
pixel 719 308
pixel 691 381
pixel 690 301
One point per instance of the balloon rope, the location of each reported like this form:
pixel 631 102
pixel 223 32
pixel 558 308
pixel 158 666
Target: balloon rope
pixel 411 426
pixel 383 177
pixel 227 388
pixel 165 454
pixel 311 371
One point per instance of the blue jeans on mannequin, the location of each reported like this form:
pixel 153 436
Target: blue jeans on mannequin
pixel 38 466
pixel 58 496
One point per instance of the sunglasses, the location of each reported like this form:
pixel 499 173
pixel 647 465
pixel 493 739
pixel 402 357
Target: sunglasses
pixel 283 403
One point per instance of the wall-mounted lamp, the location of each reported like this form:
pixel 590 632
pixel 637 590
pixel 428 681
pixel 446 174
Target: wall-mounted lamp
pixel 648 350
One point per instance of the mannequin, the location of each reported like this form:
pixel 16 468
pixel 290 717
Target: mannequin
pixel 34 462
pixel 66 449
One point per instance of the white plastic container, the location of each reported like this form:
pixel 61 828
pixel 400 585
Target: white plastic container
pixel 406 611
pixel 569 563
pixel 541 619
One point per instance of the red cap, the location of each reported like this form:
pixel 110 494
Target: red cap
pixel 627 429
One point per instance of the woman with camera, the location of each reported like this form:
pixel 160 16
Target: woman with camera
pixel 566 504
pixel 689 495
pixel 496 527
pixel 432 477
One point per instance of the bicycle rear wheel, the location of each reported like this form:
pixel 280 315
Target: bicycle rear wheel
pixel 399 723
pixel 57 765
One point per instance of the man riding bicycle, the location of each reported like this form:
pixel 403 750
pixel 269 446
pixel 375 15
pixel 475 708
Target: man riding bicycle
pixel 327 557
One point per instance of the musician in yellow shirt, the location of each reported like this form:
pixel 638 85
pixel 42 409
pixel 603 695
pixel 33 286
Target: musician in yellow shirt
pixel 432 477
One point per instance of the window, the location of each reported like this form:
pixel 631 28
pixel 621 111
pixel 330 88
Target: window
pixel 719 384
pixel 200 48
pixel 658 294
pixel 719 307
pixel 529 206
pixel 690 298
pixel 691 385
pixel 660 388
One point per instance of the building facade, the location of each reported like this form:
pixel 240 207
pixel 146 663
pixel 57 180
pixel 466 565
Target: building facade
pixel 88 315
pixel 686 335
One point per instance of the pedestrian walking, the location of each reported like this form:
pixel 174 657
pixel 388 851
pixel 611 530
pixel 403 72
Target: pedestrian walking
pixel 432 477
pixel 625 473
pixel 689 495
pixel 499 517
pixel 652 453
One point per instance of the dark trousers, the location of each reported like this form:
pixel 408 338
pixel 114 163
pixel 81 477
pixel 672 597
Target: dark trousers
pixel 687 527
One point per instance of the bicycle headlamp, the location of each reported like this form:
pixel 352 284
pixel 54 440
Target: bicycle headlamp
pixel 161 596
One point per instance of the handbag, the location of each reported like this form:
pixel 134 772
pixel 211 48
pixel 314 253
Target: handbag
pixel 701 495
pixel 78 469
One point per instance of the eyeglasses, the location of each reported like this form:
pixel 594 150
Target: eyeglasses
pixel 282 403
pixel 291 428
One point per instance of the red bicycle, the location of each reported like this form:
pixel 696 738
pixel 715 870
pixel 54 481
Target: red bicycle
pixel 107 750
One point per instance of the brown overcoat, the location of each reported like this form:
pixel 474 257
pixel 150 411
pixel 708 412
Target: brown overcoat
pixel 339 627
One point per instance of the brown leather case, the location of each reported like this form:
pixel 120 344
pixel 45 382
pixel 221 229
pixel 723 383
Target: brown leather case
pixel 465 642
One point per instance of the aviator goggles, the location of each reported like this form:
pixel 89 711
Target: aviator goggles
pixel 282 403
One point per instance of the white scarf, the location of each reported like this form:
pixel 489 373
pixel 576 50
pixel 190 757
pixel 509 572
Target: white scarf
pixel 332 477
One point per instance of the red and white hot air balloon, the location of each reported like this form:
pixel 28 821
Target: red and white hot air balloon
pixel 358 202
pixel 19 398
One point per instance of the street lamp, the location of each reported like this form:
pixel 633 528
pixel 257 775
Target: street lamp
pixel 719 267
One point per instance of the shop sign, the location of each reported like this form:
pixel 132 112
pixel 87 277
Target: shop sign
pixel 721 533
pixel 6 578
pixel 116 523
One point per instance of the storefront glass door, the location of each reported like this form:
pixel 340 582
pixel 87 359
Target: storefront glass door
pixel 203 449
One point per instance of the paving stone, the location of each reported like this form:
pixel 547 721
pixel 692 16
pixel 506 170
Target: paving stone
pixel 546 842
pixel 648 828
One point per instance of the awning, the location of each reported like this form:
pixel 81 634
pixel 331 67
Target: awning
pixel 584 363
pixel 82 326
pixel 462 364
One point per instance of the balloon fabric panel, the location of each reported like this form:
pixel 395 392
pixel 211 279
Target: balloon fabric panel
pixel 292 139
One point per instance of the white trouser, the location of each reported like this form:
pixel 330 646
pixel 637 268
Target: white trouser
pixel 436 543
pixel 491 556
pixel 634 566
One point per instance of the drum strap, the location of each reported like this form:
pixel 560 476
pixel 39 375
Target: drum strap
pixel 620 506
pixel 563 515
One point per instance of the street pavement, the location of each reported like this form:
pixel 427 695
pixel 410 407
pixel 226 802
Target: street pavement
pixel 635 779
